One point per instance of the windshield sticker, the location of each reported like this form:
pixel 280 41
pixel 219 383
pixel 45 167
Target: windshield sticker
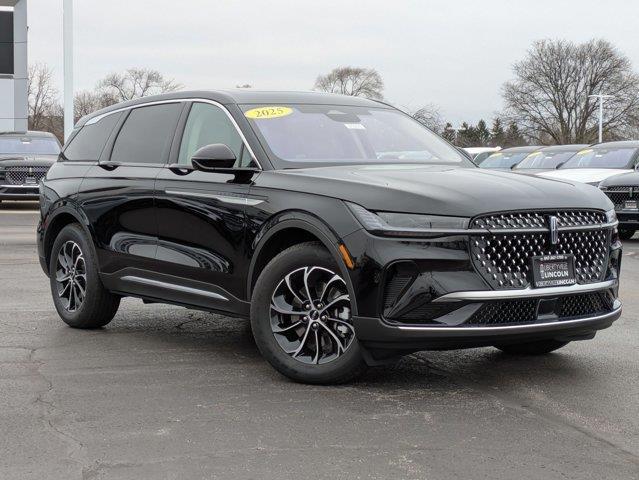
pixel 261 113
pixel 583 152
pixel 355 126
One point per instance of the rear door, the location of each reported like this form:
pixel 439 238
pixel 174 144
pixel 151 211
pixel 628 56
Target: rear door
pixel 201 214
pixel 117 194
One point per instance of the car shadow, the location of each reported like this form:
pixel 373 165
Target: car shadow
pixel 223 339
pixel 18 206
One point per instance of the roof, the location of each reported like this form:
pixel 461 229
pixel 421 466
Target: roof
pixel 248 96
pixel 564 148
pixel 620 144
pixel 30 133
pixel 525 149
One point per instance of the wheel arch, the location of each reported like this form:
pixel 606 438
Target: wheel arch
pixel 286 230
pixel 59 219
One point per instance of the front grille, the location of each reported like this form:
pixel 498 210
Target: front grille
pixel 509 312
pixel 504 257
pixel 619 194
pixel 18 175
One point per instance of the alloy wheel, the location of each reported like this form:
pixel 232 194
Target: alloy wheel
pixel 71 276
pixel 310 315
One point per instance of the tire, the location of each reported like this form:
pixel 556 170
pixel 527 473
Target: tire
pixel 309 352
pixel 626 233
pixel 98 306
pixel 540 347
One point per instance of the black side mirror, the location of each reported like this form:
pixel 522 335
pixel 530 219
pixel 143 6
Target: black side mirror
pixel 216 157
pixel 219 158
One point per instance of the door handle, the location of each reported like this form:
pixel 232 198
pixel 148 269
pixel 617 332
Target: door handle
pixel 180 169
pixel 109 166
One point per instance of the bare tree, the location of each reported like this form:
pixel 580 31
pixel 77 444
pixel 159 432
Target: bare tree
pixel 136 83
pixel 86 102
pixel 431 117
pixel 42 95
pixel 549 100
pixel 358 82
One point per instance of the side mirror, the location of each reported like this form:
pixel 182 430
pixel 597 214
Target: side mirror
pixel 219 158
pixel 216 157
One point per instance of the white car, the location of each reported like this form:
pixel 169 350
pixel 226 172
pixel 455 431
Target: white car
pixel 598 162
pixel 480 154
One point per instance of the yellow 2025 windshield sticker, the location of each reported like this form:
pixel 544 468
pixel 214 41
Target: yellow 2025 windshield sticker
pixel 268 112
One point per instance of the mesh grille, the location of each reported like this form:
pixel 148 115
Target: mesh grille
pixel 525 311
pixel 19 175
pixel 504 260
pixel 619 194
pixel 394 286
pixel 507 311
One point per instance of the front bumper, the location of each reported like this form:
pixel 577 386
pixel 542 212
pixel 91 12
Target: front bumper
pixel 444 304
pixel 376 334
pixel 19 192
pixel 628 219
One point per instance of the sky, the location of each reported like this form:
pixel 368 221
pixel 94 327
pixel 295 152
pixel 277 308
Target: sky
pixel 454 54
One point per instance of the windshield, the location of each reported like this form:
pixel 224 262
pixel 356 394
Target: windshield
pixel 602 158
pixel 28 146
pixel 547 160
pixel 308 135
pixel 503 160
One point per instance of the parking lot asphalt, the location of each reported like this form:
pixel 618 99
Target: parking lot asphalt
pixel 164 392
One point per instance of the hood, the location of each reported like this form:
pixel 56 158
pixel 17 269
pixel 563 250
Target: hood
pixel 630 179
pixel 33 161
pixel 584 175
pixel 431 189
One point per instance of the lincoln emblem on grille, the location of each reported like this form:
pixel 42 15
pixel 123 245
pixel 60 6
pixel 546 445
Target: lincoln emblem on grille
pixel 31 171
pixel 554 231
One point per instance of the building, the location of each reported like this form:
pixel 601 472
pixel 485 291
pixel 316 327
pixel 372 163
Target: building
pixel 14 110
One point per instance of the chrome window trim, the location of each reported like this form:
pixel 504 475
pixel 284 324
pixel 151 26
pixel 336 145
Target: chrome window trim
pixel 524 293
pixel 96 119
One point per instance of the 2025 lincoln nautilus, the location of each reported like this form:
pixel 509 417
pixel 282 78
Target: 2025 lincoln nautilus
pixel 347 232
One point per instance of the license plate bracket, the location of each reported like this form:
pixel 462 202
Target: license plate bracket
pixel 553 270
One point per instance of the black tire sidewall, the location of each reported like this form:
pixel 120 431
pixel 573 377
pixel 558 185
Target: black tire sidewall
pixel 81 318
pixel 344 368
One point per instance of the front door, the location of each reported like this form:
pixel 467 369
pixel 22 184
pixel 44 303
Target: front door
pixel 202 216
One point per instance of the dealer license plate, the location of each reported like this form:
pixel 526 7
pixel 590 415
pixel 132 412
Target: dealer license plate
pixel 553 270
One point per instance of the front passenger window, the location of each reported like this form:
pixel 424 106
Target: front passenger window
pixel 209 124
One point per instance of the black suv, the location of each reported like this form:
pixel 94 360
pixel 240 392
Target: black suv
pixel 346 231
pixel 25 158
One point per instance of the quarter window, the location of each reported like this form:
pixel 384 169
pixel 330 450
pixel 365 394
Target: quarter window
pixel 209 124
pixel 146 134
pixel 88 143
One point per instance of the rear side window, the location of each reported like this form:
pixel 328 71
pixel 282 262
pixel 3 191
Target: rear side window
pixel 146 134
pixel 88 143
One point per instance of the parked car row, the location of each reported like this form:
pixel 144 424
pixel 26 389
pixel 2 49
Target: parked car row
pixel 612 166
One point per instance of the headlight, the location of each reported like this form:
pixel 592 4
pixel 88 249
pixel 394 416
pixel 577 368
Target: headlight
pixel 594 184
pixel 611 216
pixel 408 224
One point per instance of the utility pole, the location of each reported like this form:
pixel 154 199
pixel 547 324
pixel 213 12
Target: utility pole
pixel 67 40
pixel 601 99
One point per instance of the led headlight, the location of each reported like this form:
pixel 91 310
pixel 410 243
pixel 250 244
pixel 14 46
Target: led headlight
pixel 408 224
pixel 611 216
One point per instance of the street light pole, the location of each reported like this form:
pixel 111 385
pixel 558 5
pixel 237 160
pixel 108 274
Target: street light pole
pixel 601 99
pixel 67 40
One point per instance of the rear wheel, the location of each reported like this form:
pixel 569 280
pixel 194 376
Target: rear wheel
pixel 532 348
pixel 301 317
pixel 626 233
pixel 78 294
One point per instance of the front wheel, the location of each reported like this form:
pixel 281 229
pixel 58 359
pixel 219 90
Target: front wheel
pixel 532 348
pixel 301 317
